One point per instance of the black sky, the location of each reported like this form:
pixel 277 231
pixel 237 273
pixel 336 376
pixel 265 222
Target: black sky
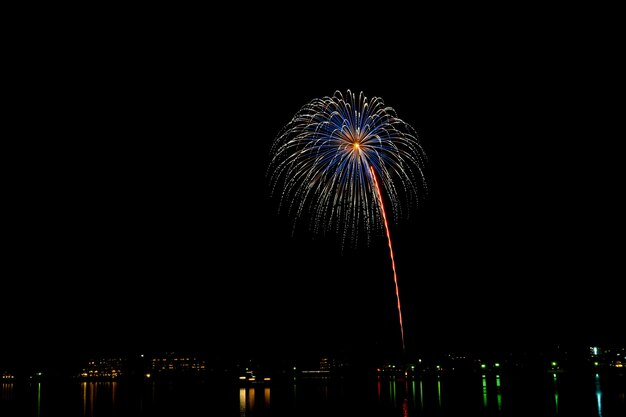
pixel 139 216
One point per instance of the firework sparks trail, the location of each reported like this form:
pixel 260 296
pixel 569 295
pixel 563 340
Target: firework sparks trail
pixel 393 262
pixel 336 158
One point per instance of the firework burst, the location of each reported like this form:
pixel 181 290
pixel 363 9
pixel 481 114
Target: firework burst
pixel 339 158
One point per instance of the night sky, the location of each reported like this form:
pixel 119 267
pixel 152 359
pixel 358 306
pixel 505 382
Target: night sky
pixel 138 214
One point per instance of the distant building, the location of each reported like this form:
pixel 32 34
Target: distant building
pixel 104 368
pixel 171 364
pixel 324 367
pixel 610 356
pixel 7 376
pixel 327 364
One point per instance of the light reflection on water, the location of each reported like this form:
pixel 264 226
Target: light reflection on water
pixel 556 394
pixel 439 389
pixel 421 395
pixel 243 402
pixel 599 395
pixel 38 399
pixel 498 393
pixel 7 391
pixel 484 380
pixel 83 386
pixel 484 394
pixel 94 393
pixel 249 404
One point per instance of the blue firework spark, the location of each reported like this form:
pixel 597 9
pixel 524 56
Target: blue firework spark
pixel 324 159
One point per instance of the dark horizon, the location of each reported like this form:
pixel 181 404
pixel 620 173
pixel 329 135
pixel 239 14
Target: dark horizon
pixel 572 357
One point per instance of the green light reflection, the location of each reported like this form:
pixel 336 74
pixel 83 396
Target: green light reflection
pixel 38 399
pixel 556 394
pixel 485 390
pixel 499 393
pixel 439 390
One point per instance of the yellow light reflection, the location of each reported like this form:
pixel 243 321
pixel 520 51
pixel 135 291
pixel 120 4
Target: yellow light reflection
pixel 7 391
pixel 92 397
pixel 242 402
pixel 266 395
pixel 38 399
pixel 113 393
pixel 251 398
pixel 83 387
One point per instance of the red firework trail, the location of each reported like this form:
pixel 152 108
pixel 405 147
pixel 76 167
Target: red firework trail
pixel 393 263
